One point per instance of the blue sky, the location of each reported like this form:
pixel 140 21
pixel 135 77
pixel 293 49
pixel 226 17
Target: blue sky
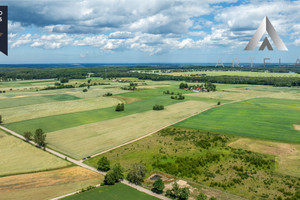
pixel 153 31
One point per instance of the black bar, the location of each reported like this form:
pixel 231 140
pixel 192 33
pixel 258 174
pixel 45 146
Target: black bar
pixel 3 30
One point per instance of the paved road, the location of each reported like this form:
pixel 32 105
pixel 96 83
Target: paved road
pixel 85 166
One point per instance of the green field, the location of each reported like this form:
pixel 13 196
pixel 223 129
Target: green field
pixel 23 101
pixel 262 118
pixel 17 156
pixel 116 192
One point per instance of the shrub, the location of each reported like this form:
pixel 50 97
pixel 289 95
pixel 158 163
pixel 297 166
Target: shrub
pixel 201 196
pixel 158 107
pixel 103 164
pixel 120 107
pixel 158 186
pixel 136 174
pixel 84 90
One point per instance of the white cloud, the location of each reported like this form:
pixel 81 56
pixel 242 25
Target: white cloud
pixel 22 40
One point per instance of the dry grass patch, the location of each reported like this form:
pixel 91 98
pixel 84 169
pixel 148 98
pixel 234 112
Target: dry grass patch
pixel 93 138
pixel 296 127
pixel 45 185
pixel 17 156
pixel 288 155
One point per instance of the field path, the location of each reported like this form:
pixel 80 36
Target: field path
pixel 137 187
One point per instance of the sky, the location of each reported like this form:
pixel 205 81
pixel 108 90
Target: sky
pixel 152 31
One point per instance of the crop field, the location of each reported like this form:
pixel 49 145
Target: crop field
pixel 146 99
pixel 17 156
pixel 206 158
pixel 23 101
pixel 90 139
pixel 115 192
pixel 47 185
pixel 233 73
pixel 263 118
pixel 16 114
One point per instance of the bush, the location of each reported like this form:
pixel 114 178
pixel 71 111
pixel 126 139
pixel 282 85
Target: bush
pixel 114 175
pixel 136 174
pixel 158 186
pixel 1 121
pixel 120 107
pixel 103 164
pixel 219 103
pixel 201 196
pixel 158 107
pixel 84 90
pixel 27 135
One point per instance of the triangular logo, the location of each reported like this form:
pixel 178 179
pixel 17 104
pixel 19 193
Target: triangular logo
pixel 266 26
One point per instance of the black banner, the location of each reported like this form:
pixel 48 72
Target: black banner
pixel 3 30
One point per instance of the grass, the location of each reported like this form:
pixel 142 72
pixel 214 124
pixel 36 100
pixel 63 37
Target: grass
pixel 175 150
pixel 63 121
pixel 17 156
pixel 118 191
pixel 263 118
pixel 103 135
pixel 23 101
pixel 47 185
pixel 288 155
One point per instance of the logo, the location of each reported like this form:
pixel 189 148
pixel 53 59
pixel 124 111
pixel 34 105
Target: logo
pixel 264 27
pixel 3 30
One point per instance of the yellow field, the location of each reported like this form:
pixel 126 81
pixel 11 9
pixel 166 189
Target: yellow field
pixel 288 155
pixel 46 185
pixel 93 138
pixel 17 156
pixel 55 108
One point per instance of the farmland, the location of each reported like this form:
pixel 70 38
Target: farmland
pixel 215 151
pixel 101 136
pixel 17 157
pixel 45 185
pixel 116 192
pixel 262 118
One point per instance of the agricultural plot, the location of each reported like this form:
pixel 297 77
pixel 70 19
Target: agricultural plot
pixel 58 122
pixel 89 139
pixel 263 118
pixel 17 156
pixel 116 192
pixel 16 114
pixel 47 185
pixel 23 101
pixel 206 158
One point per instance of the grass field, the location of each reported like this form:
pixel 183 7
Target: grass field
pixel 93 138
pixel 16 156
pixel 116 192
pixel 23 101
pixel 47 185
pixel 263 118
pixel 288 155
pixel 233 73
